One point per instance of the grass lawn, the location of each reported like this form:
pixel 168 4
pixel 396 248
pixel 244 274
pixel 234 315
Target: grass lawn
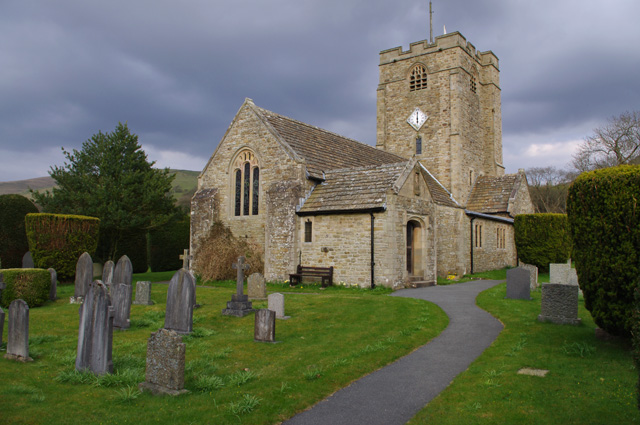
pixel 589 381
pixel 333 338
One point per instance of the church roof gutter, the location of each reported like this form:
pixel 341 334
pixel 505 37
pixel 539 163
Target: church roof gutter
pixel 489 217
pixel 343 211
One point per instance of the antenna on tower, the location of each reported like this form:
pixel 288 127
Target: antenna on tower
pixel 430 23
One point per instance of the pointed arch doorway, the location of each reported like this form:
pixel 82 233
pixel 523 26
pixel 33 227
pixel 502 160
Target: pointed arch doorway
pixel 415 268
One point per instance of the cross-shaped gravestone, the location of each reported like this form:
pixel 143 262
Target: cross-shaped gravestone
pixel 186 259
pixel 240 266
pixel 239 305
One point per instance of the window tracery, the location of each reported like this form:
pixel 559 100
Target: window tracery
pixel 418 78
pixel 247 184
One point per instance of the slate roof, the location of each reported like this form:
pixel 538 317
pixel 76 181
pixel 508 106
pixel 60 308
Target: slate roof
pixel 490 195
pixel 438 193
pixel 322 150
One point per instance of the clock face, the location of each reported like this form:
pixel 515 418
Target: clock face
pixel 417 119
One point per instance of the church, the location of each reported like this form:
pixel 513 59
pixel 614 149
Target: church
pixel 430 199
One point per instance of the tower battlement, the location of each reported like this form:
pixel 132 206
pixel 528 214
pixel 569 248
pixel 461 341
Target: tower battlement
pixel 442 42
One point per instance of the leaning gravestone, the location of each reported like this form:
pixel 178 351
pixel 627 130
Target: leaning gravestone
pixel 53 291
pixel 143 293
pixel 239 305
pixel 534 275
pixel 18 338
pixel 27 261
pixel 181 298
pixel 276 303
pixel 559 304
pixel 518 284
pixel 121 301
pixel 107 273
pixel 256 288
pixel 84 276
pixel 95 333
pixel 265 326
pixel 165 364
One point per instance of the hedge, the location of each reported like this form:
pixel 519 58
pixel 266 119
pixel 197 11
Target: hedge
pixel 542 239
pixel 604 217
pixel 57 240
pixel 167 243
pixel 13 237
pixel 30 285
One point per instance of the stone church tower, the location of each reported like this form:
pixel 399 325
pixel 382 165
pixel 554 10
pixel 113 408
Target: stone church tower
pixel 441 102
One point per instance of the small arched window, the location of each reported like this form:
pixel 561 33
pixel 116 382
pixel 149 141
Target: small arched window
pixel 418 78
pixel 246 184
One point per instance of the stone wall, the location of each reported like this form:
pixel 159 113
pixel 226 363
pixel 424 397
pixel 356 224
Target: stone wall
pixel 491 255
pixel 452 237
pixel 204 212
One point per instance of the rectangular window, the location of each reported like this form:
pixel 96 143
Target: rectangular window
pixel 478 236
pixel 418 145
pixel 308 231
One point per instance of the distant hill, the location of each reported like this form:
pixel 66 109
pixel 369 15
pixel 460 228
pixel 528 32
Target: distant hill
pixel 184 186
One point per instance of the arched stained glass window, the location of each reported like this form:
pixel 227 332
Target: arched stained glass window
pixel 256 190
pixel 246 183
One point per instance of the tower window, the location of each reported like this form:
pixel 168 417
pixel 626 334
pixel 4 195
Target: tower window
pixel 472 84
pixel 418 145
pixel 418 78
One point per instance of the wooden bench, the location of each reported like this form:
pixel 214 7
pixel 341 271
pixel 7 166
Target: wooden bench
pixel 326 273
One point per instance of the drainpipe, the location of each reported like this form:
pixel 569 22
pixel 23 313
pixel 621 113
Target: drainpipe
pixel 373 285
pixel 471 242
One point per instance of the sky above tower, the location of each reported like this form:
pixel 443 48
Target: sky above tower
pixel 177 72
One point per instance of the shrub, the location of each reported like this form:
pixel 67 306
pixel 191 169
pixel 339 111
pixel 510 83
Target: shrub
pixel 220 249
pixel 635 342
pixel 57 241
pixel 30 285
pixel 13 237
pixel 167 243
pixel 604 217
pixel 542 239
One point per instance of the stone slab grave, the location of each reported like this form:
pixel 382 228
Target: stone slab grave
pixel 143 293
pixel 256 287
pixel 53 291
pixel 27 261
pixel 107 273
pixel 239 305
pixel 95 333
pixel 276 304
pixel 518 284
pixel 123 272
pixel 18 335
pixel 534 275
pixel 84 276
pixel 164 373
pixel 559 303
pixel 265 326
pixel 121 302
pixel 181 299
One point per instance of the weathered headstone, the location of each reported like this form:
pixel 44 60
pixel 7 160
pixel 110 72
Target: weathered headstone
pixel 559 272
pixel 572 277
pixel 256 287
pixel 186 259
pixel 518 284
pixel 143 293
pixel 534 274
pixel 18 338
pixel 276 303
pixel 165 364
pixel 181 298
pixel 559 304
pixel 107 273
pixel 95 333
pixel 84 276
pixel 123 273
pixel 27 261
pixel 239 305
pixel 121 302
pixel 53 291
pixel 265 326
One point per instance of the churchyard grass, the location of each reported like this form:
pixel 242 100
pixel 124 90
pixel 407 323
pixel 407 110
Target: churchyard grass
pixel 331 339
pixel 589 381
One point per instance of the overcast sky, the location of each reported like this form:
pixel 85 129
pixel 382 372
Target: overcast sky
pixel 178 71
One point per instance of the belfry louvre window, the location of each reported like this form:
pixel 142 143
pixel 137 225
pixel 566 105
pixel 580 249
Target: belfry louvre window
pixel 418 78
pixel 472 84
pixel 246 183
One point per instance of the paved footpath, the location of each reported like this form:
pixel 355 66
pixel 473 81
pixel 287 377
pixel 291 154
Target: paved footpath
pixel 395 393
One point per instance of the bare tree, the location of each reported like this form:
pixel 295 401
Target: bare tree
pixel 618 142
pixel 548 188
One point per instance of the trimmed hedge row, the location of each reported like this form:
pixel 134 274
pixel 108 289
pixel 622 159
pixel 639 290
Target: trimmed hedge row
pixel 57 240
pixel 604 216
pixel 542 239
pixel 167 243
pixel 13 237
pixel 30 285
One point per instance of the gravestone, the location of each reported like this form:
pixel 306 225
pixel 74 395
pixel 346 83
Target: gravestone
pixel 84 276
pixel 18 335
pixel 53 291
pixel 276 304
pixel 143 293
pixel 265 326
pixel 239 305
pixel 181 298
pixel 95 333
pixel 534 275
pixel 559 304
pixel 559 272
pixel 121 302
pixel 186 259
pixel 107 273
pixel 123 273
pixel 256 287
pixel 518 284
pixel 165 364
pixel 27 261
